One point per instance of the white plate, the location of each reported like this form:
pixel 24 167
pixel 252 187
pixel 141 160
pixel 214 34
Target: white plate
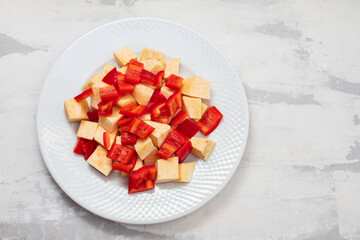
pixel 107 196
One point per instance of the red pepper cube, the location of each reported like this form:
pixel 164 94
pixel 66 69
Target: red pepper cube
pixel 78 149
pixel 159 113
pixel 174 82
pixel 147 77
pixel 179 118
pixel 210 120
pixel 133 71
pixel 85 94
pixel 111 77
pixel 125 167
pixel 188 128
pixel 142 179
pixel 108 93
pixel 158 79
pixel 133 110
pixel 93 116
pixel 89 148
pixel 184 151
pixel 128 138
pixel 173 142
pixel 174 103
pixel 156 98
pixel 125 158
pixel 140 128
pixel 106 139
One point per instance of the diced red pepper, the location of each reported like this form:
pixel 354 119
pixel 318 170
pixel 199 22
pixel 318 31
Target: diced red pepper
pixel 123 86
pixel 174 82
pixel 173 142
pixel 210 120
pixel 84 95
pixel 111 77
pixel 179 118
pixel 184 151
pixel 140 128
pixel 147 77
pixel 106 139
pixel 142 179
pixel 158 79
pixel 89 148
pixel 93 115
pixel 188 128
pixel 124 121
pixel 121 153
pixel 108 93
pixel 159 113
pixel 133 71
pixel 105 108
pixel 173 103
pixel 156 98
pixel 125 167
pixel 78 149
pixel 128 138
pixel 133 110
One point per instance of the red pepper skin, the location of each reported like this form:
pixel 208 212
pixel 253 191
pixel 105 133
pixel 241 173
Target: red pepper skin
pixel 106 139
pixel 93 115
pixel 111 77
pixel 147 77
pixel 184 151
pixel 140 128
pixel 85 94
pixel 108 93
pixel 128 138
pixel 78 149
pixel 159 114
pixel 159 78
pixel 121 154
pixel 124 121
pixel 142 179
pixel 89 148
pixel 156 98
pixel 188 128
pixel 173 142
pixel 179 118
pixel 105 108
pixel 133 110
pixel 123 86
pixel 133 71
pixel 174 103
pixel 174 82
pixel 210 120
pixel 125 167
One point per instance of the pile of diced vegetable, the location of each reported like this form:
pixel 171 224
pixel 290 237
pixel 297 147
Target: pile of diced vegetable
pixel 143 119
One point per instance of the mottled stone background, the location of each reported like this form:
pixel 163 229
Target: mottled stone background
pixel 300 64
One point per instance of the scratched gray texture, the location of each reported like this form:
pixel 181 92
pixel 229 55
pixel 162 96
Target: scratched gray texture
pixel 300 174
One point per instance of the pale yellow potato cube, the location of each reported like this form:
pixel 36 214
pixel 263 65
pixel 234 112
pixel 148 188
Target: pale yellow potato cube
pixel 172 67
pixel 151 158
pixel 107 68
pixel 94 102
pixel 202 147
pixel 95 79
pixel 149 85
pixel 192 106
pixel 144 147
pixel 118 140
pixel 167 170
pixel 139 164
pixel 123 69
pixel 153 65
pixel 124 56
pixel 96 90
pixel 110 123
pixel 145 117
pixel 167 92
pixel 148 53
pixel 196 87
pixel 99 136
pixel 99 160
pixel 142 94
pixel 125 100
pixel 87 129
pixel 160 133
pixel 76 111
pixel 186 171
pixel 203 109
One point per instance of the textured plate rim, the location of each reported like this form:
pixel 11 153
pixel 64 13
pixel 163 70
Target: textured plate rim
pixel 127 221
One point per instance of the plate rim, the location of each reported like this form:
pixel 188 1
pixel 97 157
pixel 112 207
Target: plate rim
pixel 166 219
